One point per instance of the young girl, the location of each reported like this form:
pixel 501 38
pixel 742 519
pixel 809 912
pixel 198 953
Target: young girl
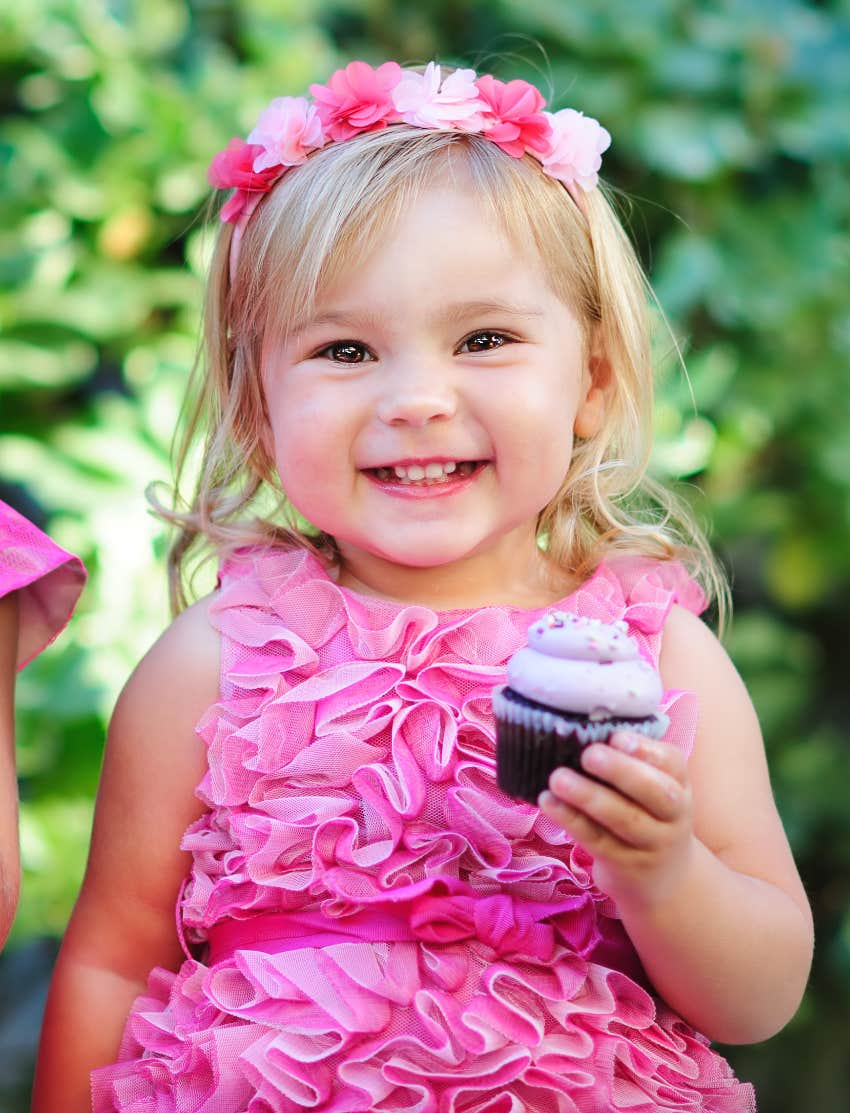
pixel 39 587
pixel 426 337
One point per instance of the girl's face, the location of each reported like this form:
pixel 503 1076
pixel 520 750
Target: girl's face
pixel 424 415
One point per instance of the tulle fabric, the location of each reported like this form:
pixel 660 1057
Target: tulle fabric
pixel 352 772
pixel 48 578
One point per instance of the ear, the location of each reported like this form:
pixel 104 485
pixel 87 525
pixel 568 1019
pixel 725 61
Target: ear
pixel 592 409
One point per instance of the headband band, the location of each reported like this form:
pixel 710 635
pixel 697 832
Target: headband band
pixel 360 99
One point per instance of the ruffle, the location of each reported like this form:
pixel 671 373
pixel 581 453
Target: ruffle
pixel 396 1027
pixel 352 768
pixel 49 579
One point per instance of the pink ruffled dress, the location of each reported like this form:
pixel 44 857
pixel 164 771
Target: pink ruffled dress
pixel 373 925
pixel 48 578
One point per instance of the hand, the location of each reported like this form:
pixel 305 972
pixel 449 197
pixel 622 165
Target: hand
pixel 635 819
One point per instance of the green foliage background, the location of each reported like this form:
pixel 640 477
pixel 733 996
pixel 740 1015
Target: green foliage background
pixel 731 125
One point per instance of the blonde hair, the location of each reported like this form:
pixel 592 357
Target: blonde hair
pixel 333 210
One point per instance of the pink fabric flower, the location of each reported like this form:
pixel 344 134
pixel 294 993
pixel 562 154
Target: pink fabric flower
pixel 361 98
pixel 233 168
pixel 575 150
pixel 519 122
pixel 427 101
pixel 287 131
pixel 357 98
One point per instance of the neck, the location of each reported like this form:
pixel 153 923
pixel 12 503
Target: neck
pixel 526 580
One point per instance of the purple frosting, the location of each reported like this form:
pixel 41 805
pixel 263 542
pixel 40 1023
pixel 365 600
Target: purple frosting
pixel 585 666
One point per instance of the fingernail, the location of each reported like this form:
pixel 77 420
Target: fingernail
pixel 594 756
pixel 562 778
pixel 544 798
pixel 628 743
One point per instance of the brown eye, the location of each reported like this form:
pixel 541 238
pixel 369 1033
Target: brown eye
pixel 346 351
pixel 483 342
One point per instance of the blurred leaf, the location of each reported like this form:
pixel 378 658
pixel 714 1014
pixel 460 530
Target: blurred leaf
pixel 32 365
pixel 54 843
pixel 686 143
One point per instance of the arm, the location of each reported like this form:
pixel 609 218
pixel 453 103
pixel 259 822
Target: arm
pixel 123 923
pixel 10 871
pixel 694 854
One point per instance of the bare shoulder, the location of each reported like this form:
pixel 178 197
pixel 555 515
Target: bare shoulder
pixel 189 641
pixel 153 763
pixel 170 688
pixel 728 737
pixel 183 660
pixel 692 655
pixel 734 810
pixel 152 737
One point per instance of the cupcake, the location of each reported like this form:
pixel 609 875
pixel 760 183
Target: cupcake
pixel 577 681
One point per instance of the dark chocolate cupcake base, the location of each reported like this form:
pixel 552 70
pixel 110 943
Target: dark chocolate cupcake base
pixel 532 740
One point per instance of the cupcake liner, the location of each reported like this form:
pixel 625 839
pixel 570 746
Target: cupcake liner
pixel 531 741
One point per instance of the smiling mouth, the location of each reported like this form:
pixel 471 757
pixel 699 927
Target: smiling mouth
pixel 426 475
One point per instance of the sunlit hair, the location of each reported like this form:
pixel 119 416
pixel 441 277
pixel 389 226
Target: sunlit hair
pixel 320 222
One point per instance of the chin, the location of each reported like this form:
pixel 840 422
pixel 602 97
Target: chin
pixel 422 558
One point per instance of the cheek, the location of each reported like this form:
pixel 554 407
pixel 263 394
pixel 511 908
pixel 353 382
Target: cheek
pixel 543 444
pixel 290 448
pixel 294 451
pixel 540 418
pixel 309 450
pixel 295 423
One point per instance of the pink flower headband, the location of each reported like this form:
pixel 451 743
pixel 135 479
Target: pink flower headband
pixel 359 99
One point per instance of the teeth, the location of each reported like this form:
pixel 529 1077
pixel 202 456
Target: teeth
pixel 435 472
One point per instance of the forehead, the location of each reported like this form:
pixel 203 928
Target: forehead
pixel 445 258
pixel 444 234
pixel 427 212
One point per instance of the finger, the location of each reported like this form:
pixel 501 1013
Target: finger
pixel 605 809
pixel 663 755
pixel 652 789
pixel 581 827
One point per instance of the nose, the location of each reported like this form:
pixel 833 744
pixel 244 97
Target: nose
pixel 416 393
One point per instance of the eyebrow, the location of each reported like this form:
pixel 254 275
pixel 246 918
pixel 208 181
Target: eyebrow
pixel 455 312
pixel 463 309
